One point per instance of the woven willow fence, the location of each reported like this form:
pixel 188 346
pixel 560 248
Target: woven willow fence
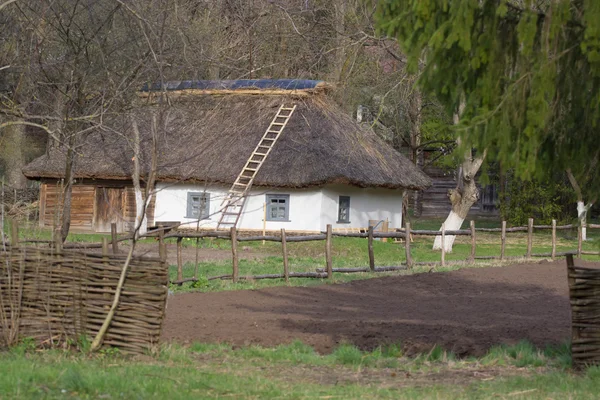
pixel 58 296
pixel 584 292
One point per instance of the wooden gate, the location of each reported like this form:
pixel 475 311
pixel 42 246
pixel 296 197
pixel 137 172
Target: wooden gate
pixel 109 209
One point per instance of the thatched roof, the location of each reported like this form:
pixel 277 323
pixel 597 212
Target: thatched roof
pixel 208 138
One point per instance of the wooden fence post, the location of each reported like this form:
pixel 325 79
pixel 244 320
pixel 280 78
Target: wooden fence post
pixel 14 233
pixel 179 259
pixel 443 244
pixel 113 235
pixel 264 231
pixel 106 296
pixel 503 240
pixel 162 248
pixel 328 252
pixel 553 239
pixel 409 262
pixel 473 243
pixel 579 240
pixel 286 271
pixel 235 272
pixel 529 237
pixel 371 253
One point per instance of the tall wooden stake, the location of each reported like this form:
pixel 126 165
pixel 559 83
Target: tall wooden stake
pixel 235 272
pixel 473 244
pixel 503 240
pixel 264 232
pixel 553 239
pixel 14 233
pixel 529 237
pixel 328 259
pixel 579 240
pixel 286 270
pixel 443 244
pixel 371 253
pixel 162 248
pixel 113 234
pixel 179 259
pixel 409 262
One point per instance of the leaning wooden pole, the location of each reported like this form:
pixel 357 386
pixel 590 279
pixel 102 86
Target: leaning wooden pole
pixel 236 271
pixel 97 342
pixel 371 253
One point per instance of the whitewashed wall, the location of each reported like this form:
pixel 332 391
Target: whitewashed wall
pixel 365 205
pixel 310 209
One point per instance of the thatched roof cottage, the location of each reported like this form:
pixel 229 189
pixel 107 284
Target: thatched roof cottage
pixel 324 169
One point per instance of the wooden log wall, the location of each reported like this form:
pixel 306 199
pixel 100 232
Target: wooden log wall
pixel 84 207
pixel 55 295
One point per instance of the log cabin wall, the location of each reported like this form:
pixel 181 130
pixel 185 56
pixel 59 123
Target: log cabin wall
pixel 95 204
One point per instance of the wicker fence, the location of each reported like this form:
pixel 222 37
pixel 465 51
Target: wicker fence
pixel 57 296
pixel 584 292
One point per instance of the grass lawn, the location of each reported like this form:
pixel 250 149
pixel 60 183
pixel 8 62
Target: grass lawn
pixel 294 371
pixel 353 252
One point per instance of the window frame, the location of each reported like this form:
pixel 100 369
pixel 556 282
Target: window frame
pixel 286 197
pixel 189 214
pixel 339 219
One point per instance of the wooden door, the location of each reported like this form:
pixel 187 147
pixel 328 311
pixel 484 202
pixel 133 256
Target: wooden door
pixel 109 209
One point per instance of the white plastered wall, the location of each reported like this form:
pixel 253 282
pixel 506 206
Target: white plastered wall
pixel 310 209
pixel 365 204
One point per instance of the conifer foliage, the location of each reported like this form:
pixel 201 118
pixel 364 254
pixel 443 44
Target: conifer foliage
pixel 528 72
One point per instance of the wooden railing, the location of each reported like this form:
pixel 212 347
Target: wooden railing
pixel 370 235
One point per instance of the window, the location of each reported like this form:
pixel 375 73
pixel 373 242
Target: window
pixel 198 205
pixel 278 207
pixel 344 210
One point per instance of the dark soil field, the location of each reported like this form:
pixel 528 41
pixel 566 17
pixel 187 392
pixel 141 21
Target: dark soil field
pixel 466 311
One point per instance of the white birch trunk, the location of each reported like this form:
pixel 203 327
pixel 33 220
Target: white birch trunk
pixel 463 196
pixel 582 210
pixel 453 223
pixel 140 214
pixel 141 223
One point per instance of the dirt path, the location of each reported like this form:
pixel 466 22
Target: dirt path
pixel 466 311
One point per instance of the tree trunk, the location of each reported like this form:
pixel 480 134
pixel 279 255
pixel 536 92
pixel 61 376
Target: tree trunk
pixel 582 208
pixel 141 222
pixel 463 196
pixel 65 223
pixel 12 144
pixel 414 113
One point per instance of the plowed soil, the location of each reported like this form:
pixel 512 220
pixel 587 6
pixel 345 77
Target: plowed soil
pixel 466 311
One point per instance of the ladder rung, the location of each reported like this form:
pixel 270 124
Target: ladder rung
pixel 250 169
pixel 266 138
pixel 287 108
pixel 260 154
pixel 278 123
pixel 272 131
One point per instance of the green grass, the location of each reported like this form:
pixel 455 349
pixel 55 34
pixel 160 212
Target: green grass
pixel 294 371
pixel 353 252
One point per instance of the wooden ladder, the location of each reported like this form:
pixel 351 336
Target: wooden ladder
pixel 233 204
